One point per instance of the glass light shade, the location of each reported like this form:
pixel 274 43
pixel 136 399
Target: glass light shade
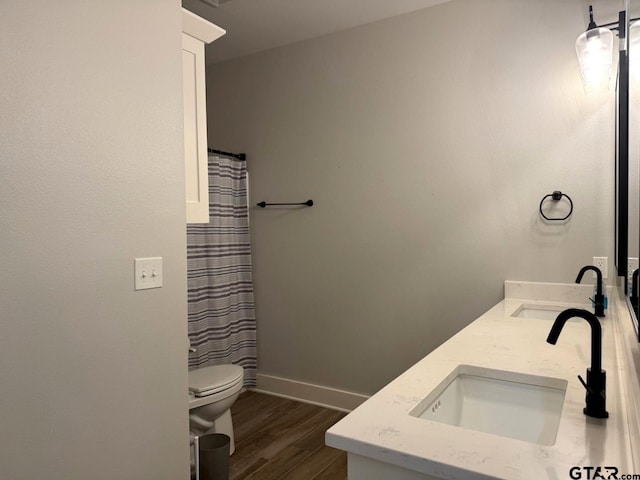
pixel 634 38
pixel 634 50
pixel 595 54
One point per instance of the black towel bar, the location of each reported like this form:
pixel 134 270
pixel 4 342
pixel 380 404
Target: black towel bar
pixel 308 203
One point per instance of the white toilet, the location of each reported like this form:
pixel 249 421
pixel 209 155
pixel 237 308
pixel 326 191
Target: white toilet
pixel 212 391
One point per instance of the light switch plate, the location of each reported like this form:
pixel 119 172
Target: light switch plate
pixel 147 272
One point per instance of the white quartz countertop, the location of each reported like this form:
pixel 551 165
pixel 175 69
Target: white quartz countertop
pixel 382 429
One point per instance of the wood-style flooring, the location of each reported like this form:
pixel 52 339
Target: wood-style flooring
pixel 280 439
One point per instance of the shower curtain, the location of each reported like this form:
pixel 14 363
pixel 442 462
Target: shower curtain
pixel 222 325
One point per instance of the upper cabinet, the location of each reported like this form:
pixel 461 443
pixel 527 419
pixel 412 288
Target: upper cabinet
pixel 196 32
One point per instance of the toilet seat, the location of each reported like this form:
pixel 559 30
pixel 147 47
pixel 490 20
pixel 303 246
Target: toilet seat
pixel 221 389
pixel 211 380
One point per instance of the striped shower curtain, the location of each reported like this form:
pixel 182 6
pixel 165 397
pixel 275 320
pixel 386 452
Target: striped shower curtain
pixel 222 325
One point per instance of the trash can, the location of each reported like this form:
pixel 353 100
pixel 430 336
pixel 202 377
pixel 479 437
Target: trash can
pixel 214 456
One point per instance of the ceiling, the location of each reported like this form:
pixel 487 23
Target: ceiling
pixel 256 25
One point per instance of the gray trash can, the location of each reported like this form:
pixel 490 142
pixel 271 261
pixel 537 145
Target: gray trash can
pixel 214 456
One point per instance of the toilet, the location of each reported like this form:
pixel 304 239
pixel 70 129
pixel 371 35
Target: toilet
pixel 212 391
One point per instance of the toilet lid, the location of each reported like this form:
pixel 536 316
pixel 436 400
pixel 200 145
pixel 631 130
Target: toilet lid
pixel 214 378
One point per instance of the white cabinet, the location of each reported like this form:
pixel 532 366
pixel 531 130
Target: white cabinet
pixel 196 32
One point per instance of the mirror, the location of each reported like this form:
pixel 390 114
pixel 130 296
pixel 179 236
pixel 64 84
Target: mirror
pixel 633 246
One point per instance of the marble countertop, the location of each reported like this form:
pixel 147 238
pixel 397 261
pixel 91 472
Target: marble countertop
pixel 382 429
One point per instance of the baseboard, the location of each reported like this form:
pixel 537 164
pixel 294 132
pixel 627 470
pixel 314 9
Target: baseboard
pixel 309 393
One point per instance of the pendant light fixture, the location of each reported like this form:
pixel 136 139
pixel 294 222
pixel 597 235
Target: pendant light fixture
pixel 595 54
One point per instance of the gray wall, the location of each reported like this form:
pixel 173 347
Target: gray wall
pixel 92 374
pixel 427 142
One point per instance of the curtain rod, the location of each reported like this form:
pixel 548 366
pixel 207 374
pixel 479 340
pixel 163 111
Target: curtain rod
pixel 239 156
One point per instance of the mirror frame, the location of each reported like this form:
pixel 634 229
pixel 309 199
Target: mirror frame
pixel 622 152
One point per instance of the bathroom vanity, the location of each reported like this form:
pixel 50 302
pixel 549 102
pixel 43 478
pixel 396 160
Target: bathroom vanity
pixel 529 421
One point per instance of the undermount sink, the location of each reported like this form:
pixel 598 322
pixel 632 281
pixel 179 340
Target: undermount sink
pixel 543 312
pixel 515 405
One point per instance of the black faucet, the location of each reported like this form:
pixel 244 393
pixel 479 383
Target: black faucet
pixel 596 383
pixel 598 301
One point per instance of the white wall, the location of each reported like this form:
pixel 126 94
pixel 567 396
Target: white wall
pixel 92 374
pixel 427 142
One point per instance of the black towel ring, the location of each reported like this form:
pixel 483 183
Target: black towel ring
pixel 556 196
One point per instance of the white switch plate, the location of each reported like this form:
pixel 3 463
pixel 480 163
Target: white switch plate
pixel 603 264
pixel 632 265
pixel 147 272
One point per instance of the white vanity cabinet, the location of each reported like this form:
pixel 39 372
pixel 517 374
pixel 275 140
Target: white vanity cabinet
pixel 196 32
